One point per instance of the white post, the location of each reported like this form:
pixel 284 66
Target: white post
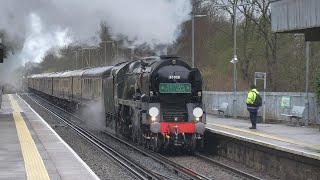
pixel 307 81
pixel 235 59
pixel 262 76
pixel 193 39
pixel 264 97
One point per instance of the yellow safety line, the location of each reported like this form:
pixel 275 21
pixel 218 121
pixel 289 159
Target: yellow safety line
pixel 34 165
pixel 291 141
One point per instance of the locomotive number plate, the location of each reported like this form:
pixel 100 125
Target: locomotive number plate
pixel 175 88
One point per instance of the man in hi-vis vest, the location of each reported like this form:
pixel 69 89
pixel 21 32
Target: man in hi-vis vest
pixel 253 102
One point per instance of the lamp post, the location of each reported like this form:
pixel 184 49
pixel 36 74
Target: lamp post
pixel 307 66
pixel 234 59
pixel 193 17
pixel 307 81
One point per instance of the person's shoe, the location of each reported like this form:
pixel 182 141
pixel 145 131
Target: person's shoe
pixel 252 127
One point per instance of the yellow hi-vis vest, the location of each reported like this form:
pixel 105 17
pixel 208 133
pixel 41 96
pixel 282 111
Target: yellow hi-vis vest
pixel 252 95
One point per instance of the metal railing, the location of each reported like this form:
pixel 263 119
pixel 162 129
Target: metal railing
pixel 213 99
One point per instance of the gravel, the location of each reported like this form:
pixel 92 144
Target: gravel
pixel 204 168
pixel 138 157
pixel 107 169
pixel 102 165
pixel 240 166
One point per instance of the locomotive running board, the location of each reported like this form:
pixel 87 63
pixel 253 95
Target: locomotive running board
pixel 136 104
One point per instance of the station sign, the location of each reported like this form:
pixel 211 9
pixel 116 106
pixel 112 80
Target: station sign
pixel 175 88
pixel 285 102
pixel 260 75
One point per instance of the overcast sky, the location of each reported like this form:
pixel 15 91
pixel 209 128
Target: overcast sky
pixel 43 24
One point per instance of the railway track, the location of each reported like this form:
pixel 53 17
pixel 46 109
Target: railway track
pixel 187 173
pixel 132 166
pixel 232 169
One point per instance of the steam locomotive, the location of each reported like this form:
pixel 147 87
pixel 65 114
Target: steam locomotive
pixel 156 101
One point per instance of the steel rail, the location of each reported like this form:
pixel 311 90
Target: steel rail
pixel 163 160
pixel 232 169
pixel 177 168
pixel 137 170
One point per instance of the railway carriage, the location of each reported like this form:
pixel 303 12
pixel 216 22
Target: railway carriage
pixel 77 85
pixel 92 80
pixel 64 85
pixel 46 84
pixel 41 83
pixel 56 81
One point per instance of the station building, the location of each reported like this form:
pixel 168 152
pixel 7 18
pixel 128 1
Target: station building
pixel 296 16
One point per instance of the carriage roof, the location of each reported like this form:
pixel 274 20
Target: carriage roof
pixel 74 73
pixel 43 75
pixel 98 71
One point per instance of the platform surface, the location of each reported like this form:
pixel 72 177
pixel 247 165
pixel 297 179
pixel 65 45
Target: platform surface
pixel 30 149
pixel 300 140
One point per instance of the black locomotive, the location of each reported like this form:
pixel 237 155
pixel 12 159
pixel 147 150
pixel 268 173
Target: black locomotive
pixel 156 101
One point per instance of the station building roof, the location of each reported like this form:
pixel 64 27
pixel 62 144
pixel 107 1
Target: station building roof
pixel 296 16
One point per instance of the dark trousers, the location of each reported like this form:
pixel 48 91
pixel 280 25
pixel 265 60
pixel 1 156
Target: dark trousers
pixel 253 116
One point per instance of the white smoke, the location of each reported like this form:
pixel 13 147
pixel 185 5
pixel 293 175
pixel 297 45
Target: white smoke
pixel 93 115
pixel 45 24
pixel 39 40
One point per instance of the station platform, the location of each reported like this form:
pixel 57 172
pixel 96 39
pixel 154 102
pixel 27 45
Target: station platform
pixel 30 149
pixel 304 141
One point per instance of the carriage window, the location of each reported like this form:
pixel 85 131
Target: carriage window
pixel 89 85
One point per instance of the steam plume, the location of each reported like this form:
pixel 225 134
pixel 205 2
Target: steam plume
pixel 44 24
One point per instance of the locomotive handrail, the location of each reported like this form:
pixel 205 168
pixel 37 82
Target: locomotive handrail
pixel 137 104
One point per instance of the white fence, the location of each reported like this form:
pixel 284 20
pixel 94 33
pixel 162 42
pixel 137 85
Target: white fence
pixel 274 109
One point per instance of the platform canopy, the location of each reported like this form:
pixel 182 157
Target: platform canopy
pixel 297 16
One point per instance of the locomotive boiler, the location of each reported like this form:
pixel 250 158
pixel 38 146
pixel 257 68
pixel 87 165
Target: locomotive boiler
pixel 156 101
